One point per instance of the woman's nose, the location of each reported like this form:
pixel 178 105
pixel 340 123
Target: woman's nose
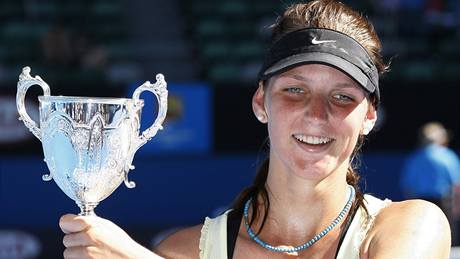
pixel 317 109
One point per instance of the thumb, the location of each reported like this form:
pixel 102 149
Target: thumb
pixel 71 223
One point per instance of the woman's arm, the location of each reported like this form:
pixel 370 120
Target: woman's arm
pixel 408 229
pixel 184 244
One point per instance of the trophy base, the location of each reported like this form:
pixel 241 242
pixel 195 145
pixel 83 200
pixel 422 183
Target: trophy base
pixel 87 209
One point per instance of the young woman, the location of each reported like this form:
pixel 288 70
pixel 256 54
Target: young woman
pixel 318 94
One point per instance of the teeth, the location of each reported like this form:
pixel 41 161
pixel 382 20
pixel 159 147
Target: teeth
pixel 312 140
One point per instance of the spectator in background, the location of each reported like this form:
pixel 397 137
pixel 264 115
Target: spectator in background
pixel 64 47
pixel 432 172
pixel 57 47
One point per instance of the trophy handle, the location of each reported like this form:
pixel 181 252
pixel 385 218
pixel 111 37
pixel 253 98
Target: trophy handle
pixel 26 81
pixel 161 93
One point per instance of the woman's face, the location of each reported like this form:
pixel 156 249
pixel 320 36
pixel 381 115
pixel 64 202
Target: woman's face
pixel 315 114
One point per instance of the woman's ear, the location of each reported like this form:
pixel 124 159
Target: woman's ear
pixel 258 104
pixel 369 121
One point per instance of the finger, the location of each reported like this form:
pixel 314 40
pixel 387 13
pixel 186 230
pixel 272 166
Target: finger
pixel 64 222
pixel 70 223
pixel 78 239
pixel 77 252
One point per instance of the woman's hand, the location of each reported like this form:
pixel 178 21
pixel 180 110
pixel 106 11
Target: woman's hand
pixel 95 237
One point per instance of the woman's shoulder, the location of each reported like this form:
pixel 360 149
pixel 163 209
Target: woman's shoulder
pixel 412 228
pixel 181 244
pixel 413 213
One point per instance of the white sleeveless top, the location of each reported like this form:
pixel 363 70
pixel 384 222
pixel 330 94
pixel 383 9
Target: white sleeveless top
pixel 213 240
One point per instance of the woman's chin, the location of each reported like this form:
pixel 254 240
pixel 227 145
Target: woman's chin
pixel 314 170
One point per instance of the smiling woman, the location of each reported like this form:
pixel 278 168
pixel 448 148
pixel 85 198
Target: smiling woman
pixel 318 93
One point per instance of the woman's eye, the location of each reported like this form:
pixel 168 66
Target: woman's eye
pixel 343 98
pixel 294 90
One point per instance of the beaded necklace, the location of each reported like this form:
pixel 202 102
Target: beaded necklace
pixel 311 241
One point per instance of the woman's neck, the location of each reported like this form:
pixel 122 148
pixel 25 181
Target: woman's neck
pixel 301 208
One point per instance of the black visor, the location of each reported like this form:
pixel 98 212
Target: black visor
pixel 322 46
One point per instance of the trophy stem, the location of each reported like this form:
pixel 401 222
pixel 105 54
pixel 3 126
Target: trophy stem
pixel 87 209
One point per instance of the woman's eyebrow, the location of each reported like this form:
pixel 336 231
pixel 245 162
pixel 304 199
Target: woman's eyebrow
pixel 306 79
pixel 296 77
pixel 345 85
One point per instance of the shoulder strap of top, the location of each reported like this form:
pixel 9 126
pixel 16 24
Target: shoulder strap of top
pixel 213 243
pixel 360 225
pixel 233 227
pixel 346 227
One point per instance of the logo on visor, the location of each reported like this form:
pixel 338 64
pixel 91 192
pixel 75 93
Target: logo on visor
pixel 316 42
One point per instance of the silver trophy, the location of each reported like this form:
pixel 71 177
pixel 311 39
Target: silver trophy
pixel 89 143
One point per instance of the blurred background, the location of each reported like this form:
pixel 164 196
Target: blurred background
pixel 210 53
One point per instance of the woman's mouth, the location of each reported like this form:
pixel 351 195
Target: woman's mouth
pixel 313 143
pixel 312 140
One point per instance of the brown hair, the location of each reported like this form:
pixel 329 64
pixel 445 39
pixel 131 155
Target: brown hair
pixel 328 14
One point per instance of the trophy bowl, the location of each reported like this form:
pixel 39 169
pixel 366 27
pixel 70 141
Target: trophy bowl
pixel 89 143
